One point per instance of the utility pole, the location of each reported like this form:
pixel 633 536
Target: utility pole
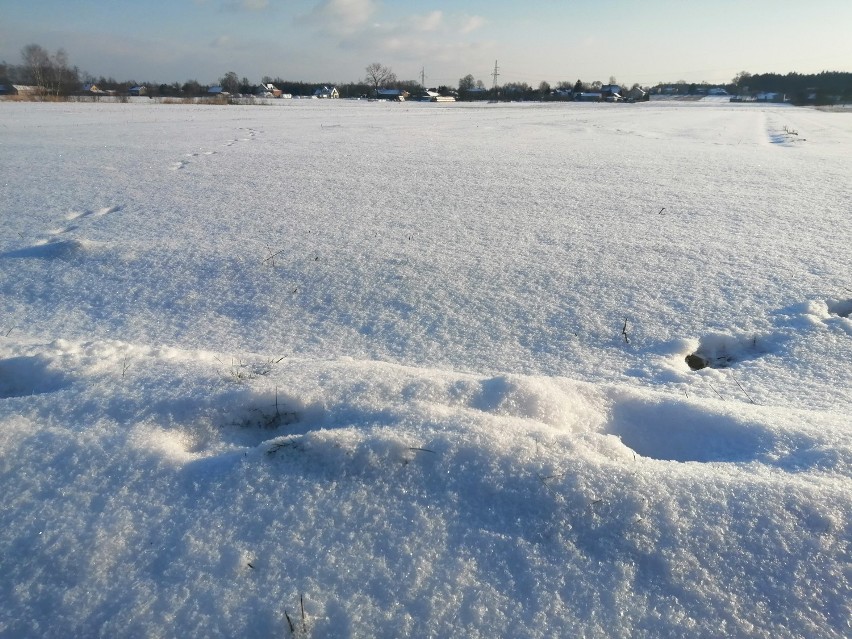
pixel 494 75
pixel 423 77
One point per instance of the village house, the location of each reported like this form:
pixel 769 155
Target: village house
pixel 588 96
pixel 395 95
pixel 268 90
pixel 612 93
pixel 327 93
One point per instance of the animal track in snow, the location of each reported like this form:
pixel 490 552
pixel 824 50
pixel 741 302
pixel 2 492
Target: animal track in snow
pixel 181 164
pixel 77 215
pixel 81 216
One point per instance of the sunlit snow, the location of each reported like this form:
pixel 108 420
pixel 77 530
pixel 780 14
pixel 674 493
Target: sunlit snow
pixel 363 369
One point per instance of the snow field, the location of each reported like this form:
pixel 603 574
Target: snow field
pixel 374 356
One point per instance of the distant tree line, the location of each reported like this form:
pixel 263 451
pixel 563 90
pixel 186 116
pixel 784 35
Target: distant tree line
pixel 54 75
pixel 822 88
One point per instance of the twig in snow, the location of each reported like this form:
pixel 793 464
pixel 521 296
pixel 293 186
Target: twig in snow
pixel 290 623
pixel 742 389
pixel 124 366
pixel 715 391
pixel 661 211
pixel 422 450
pixel 624 332
pixel 304 621
pixel 271 256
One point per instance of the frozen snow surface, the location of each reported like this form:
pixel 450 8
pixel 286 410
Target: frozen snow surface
pixel 360 369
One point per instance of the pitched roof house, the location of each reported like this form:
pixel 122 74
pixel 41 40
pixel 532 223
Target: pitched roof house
pixel 327 92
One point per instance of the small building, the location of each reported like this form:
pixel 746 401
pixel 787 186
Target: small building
pixel 395 95
pixel 27 89
pixel 588 96
pixel 267 90
pixel 637 94
pixel 217 91
pixel 611 91
pixel 476 93
pixel 7 88
pixel 325 92
pixel 138 90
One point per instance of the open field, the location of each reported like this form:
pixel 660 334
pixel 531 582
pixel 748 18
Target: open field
pixel 425 367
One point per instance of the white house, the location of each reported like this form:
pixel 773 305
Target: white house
pixel 327 92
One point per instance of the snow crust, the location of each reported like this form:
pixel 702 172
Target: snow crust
pixel 422 370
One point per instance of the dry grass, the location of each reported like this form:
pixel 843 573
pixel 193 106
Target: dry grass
pixel 35 97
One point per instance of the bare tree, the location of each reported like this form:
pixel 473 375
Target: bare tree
pixel 63 78
pixel 379 75
pixel 230 82
pixel 467 83
pixel 49 72
pixel 37 62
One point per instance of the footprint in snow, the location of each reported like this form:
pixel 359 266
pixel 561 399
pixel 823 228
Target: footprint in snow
pixel 77 215
pixel 672 430
pixel 29 375
pixel 841 308
pixel 80 216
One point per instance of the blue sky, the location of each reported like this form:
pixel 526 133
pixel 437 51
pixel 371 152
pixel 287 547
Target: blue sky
pixel 333 40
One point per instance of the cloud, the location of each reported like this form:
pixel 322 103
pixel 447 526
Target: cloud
pixel 471 23
pixel 341 16
pixel 429 22
pixel 222 42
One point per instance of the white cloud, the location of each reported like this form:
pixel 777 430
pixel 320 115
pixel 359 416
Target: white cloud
pixel 471 23
pixel 342 16
pixel 222 42
pixel 429 22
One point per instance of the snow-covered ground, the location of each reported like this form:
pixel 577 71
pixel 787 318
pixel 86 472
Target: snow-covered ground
pixel 421 370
